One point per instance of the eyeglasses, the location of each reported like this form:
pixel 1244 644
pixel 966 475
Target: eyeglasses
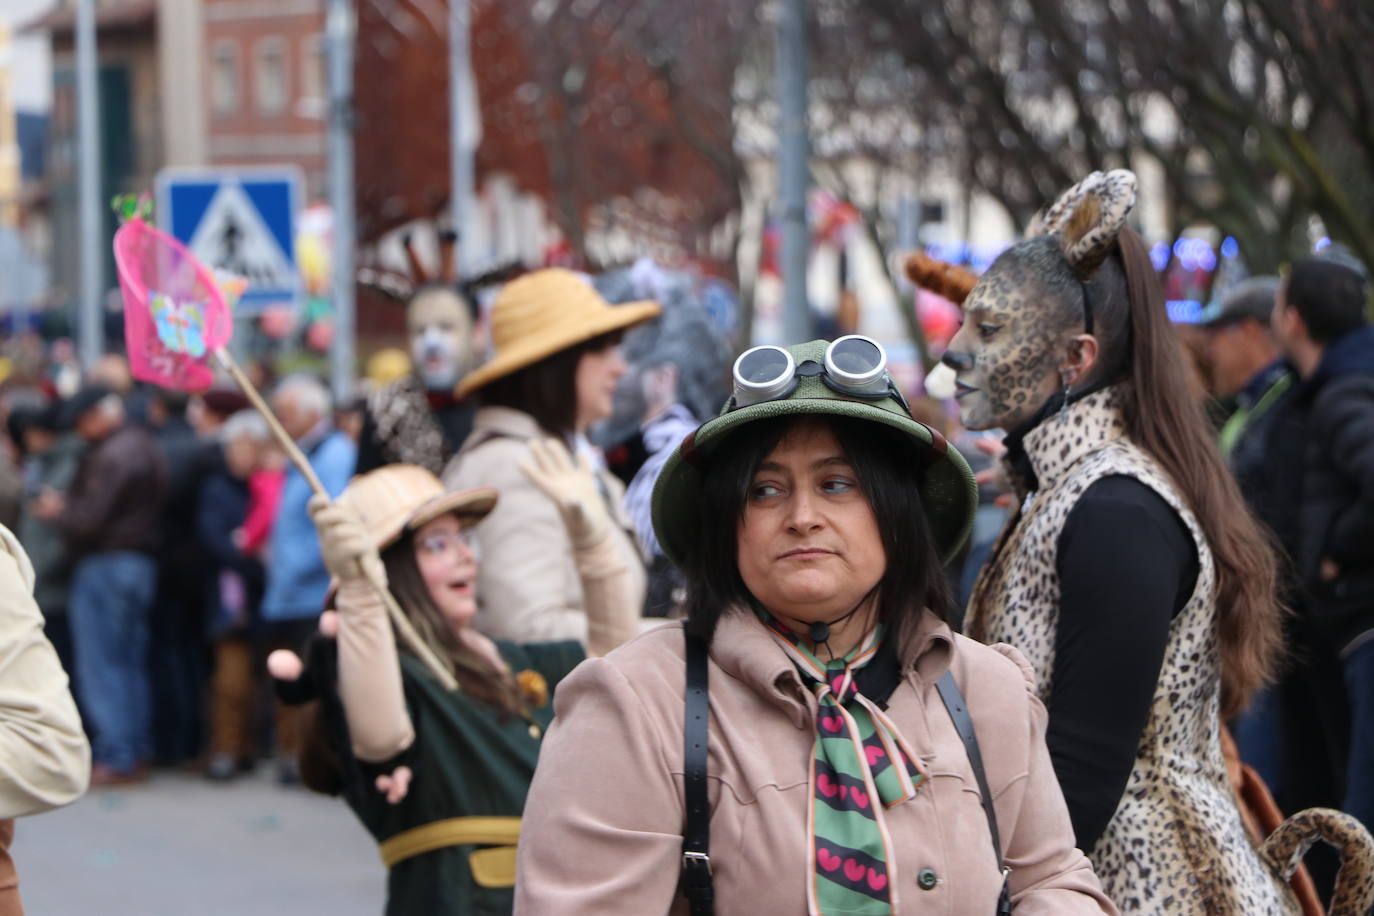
pixel 854 365
pixel 443 542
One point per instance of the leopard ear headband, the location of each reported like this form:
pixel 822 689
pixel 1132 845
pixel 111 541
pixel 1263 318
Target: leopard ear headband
pixel 1087 219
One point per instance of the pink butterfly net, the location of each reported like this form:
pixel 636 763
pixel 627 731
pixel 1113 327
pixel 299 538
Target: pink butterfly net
pixel 175 314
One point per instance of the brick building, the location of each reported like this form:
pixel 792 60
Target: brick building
pixel 130 128
pixel 264 85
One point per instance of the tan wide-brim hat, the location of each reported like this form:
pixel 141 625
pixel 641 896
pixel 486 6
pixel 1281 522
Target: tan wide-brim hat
pixel 402 497
pixel 545 311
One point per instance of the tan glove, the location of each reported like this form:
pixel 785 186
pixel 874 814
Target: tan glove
pixel 572 487
pixel 345 545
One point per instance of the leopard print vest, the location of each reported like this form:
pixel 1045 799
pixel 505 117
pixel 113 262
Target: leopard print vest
pixel 406 427
pixel 1176 843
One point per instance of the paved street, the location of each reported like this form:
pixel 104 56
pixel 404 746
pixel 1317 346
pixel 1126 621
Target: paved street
pixel 180 846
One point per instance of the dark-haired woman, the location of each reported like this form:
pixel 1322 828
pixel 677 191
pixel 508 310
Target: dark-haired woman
pixel 554 373
pixel 1133 578
pixel 809 520
pixel 439 777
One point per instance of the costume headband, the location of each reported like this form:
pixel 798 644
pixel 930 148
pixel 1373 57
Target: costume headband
pixel 1087 219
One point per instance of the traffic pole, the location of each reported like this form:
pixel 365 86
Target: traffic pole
pixel 460 145
pixel 91 332
pixel 340 29
pixel 794 169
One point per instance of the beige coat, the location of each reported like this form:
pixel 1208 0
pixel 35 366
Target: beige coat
pixel 528 586
pixel 602 829
pixel 45 759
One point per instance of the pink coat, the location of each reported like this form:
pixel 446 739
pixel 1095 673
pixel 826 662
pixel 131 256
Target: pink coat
pixel 602 829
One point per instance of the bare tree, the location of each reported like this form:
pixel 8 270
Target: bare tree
pixel 1258 112
pixel 632 103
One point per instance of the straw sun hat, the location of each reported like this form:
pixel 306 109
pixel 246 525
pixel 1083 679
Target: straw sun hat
pixel 543 312
pixel 402 497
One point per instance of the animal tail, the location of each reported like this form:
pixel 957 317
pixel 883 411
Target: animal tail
pixel 1289 842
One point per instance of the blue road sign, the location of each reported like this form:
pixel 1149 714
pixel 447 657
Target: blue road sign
pixel 240 221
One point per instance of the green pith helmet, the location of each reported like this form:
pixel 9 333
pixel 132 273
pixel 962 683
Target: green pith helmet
pixel 949 493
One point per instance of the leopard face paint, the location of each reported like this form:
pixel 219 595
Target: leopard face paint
pixel 1006 354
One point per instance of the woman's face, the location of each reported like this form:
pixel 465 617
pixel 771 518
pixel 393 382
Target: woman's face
pixel 448 565
pixel 241 455
pixel 598 374
pixel 809 546
pixel 1005 353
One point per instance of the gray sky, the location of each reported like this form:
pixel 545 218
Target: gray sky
pixel 31 63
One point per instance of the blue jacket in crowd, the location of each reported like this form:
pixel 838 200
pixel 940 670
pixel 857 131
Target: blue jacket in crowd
pixel 296 577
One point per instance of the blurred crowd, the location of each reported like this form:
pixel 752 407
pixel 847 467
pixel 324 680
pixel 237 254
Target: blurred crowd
pixel 170 537
pixel 148 516
pixel 174 548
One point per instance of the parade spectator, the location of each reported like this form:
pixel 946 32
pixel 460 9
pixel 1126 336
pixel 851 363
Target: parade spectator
pixel 264 501
pixel 176 659
pixel 1319 320
pixel 296 577
pixel 51 456
pixel 427 770
pixel 112 521
pixel 667 421
pixel 209 411
pixel 1248 369
pixel 554 373
pixel 112 371
pixel 235 590
pixel 1132 576
pixel 45 760
pixel 418 419
pixel 811 525
pixel 350 419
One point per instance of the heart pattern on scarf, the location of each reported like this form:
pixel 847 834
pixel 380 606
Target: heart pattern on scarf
pixel 849 778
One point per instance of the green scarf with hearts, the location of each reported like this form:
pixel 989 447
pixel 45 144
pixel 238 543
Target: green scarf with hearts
pixel 861 766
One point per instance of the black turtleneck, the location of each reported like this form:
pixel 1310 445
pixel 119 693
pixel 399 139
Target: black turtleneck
pixel 1127 565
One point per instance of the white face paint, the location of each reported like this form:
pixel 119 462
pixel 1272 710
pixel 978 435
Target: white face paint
pixel 441 345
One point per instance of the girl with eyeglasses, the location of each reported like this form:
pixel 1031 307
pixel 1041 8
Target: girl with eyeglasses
pixel 439 777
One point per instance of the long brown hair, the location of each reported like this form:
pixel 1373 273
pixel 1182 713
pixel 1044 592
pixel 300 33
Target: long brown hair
pixel 321 769
pixel 547 390
pixel 476 675
pixel 1165 418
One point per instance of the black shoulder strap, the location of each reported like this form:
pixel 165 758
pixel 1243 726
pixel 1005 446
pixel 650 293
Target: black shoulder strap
pixel 963 724
pixel 696 835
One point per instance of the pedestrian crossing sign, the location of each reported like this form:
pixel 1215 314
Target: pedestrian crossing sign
pixel 240 221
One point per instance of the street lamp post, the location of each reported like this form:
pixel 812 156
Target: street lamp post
pixel 340 28
pixel 794 169
pixel 460 144
pixel 92 341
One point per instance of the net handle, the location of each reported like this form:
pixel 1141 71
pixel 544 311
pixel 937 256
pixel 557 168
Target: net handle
pixel 402 623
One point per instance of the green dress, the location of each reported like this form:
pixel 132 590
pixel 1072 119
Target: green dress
pixel 467 760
